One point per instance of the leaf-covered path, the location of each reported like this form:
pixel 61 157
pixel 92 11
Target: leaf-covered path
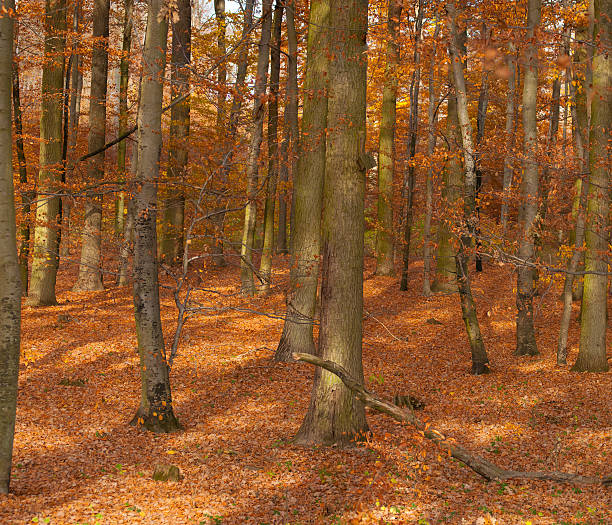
pixel 77 461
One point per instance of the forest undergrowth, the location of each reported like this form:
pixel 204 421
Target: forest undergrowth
pixel 77 460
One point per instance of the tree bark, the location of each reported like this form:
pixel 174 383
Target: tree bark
pixel 124 71
pixel 307 199
pixel 173 221
pixel 250 213
pixel 594 318
pixel 90 275
pixel 265 266
pixel 525 286
pixel 10 291
pixel 155 412
pixel 386 146
pixel 41 291
pixel 510 135
pixel 334 416
pixel 413 127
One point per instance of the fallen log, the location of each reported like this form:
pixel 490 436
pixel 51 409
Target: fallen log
pixel 478 464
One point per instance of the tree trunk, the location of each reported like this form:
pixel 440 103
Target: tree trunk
pixel 510 135
pixel 432 118
pixel 155 412
pixel 468 308
pixel 127 244
pixel 241 71
pixel 386 146
pixel 90 275
pixel 525 286
pixel 289 145
pixel 250 211
pixel 44 269
pixel 124 69
pixel 26 195
pixel 173 221
pixel 307 199
pixel 413 126
pixel 265 266
pixel 10 291
pixel 334 416
pixel 594 318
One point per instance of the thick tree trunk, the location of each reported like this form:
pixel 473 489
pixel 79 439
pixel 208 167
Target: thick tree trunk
pixel 432 118
pixel 594 318
pixel 241 71
pixel 510 135
pixel 173 221
pixel 413 126
pixel 155 412
pixel 307 199
pixel 44 269
pixel 90 275
pixel 525 286
pixel 250 212
pixel 335 417
pixel 124 71
pixel 479 354
pixel 26 195
pixel 10 290
pixel 386 146
pixel 265 266
pixel 289 145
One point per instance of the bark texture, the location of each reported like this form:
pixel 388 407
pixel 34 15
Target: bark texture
pixel 307 202
pixel 335 417
pixel 155 412
pixel 90 274
pixel 10 289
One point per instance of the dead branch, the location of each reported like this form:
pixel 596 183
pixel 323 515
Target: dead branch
pixel 485 468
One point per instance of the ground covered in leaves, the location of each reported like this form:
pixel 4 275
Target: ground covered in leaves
pixel 77 461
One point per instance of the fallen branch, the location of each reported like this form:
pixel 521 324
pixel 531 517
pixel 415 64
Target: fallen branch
pixel 485 468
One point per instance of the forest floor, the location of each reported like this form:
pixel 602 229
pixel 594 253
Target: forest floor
pixel 77 461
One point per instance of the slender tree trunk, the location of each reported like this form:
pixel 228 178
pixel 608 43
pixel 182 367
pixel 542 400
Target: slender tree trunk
pixel 219 219
pixel 90 275
pixel 335 417
pixel 289 145
pixel 413 126
pixel 432 118
pixel 525 288
pixel 479 354
pixel 307 199
pixel 265 266
pixel 127 244
pixel 510 135
pixel 124 71
pixel 386 146
pixel 173 222
pixel 10 291
pixel 155 412
pixel 41 291
pixel 26 195
pixel 250 212
pixel 594 318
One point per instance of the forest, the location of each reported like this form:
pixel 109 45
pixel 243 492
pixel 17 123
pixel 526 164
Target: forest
pixel 291 261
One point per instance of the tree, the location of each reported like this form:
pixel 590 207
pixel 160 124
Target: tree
pixel 334 416
pixel 173 222
pixel 386 146
pixel 155 412
pixel 90 275
pixel 510 134
pixel 307 199
pixel 10 291
pixel 46 245
pixel 256 136
pixel 265 266
pixel 594 318
pixel 525 287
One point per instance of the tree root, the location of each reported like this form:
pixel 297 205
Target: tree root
pixel 485 468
